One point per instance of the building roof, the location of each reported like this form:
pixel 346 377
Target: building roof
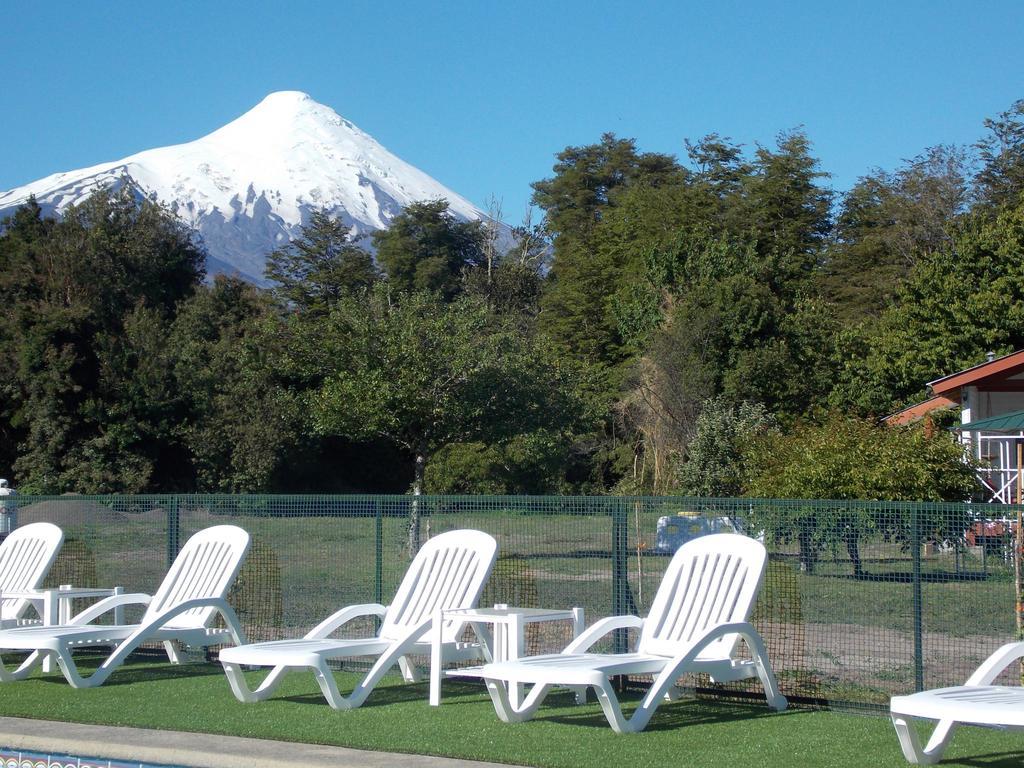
pixel 917 411
pixel 998 374
pixel 991 371
pixel 1004 422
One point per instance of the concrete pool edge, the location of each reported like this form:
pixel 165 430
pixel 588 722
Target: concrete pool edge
pixel 201 750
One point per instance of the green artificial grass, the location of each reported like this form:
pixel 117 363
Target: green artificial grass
pixel 396 718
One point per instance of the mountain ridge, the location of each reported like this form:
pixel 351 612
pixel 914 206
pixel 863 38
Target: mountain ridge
pixel 247 187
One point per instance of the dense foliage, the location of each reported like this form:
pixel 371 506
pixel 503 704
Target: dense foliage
pixel 672 325
pixel 846 458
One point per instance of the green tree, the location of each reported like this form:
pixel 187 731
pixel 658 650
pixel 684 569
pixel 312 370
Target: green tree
pixel 854 459
pixel 244 420
pixel 85 298
pixel 320 266
pixel 787 213
pixel 714 457
pixel 1000 180
pixel 587 184
pixel 424 374
pixel 720 167
pixel 427 249
pixel 887 222
pixel 21 237
pixel 957 304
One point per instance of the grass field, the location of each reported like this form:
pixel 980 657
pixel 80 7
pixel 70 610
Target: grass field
pixel 397 718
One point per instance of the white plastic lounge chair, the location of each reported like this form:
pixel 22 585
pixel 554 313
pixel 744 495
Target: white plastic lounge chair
pixel 977 702
pixel 448 572
pixel 26 556
pixel 192 593
pixel 696 621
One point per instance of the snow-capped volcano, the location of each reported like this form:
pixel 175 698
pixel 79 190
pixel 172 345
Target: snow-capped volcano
pixel 247 187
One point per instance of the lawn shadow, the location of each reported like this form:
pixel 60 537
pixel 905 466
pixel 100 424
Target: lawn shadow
pixel 453 694
pixel 993 760
pixel 137 672
pixel 668 716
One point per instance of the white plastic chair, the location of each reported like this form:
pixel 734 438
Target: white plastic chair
pixel 26 556
pixel 977 702
pixel 192 593
pixel 449 571
pixel 698 617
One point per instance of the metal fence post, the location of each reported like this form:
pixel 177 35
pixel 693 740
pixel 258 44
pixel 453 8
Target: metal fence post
pixel 378 583
pixel 915 544
pixel 173 530
pixel 620 571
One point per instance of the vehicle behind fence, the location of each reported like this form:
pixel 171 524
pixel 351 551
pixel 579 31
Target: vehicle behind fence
pixel 861 600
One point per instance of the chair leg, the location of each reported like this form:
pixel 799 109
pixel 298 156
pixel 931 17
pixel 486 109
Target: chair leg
pixel 24 670
pixel 329 688
pixel 409 672
pixel 940 738
pixel 776 700
pixel 241 688
pixel 71 674
pixel 173 651
pixel 613 710
pixel 759 653
pixel 910 742
pixel 325 679
pixel 498 690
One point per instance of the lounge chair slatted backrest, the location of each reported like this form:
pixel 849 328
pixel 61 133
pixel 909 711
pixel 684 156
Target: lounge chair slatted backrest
pixel 205 568
pixel 448 572
pixel 26 556
pixel 705 585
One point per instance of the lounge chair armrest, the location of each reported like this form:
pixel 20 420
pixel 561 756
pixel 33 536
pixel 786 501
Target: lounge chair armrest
pixel 143 631
pixel 97 609
pixel 996 663
pixel 343 616
pixel 599 629
pixel 692 650
pixel 155 623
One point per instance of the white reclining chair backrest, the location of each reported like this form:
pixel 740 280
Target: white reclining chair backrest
pixel 710 580
pixel 449 571
pixel 25 558
pixel 205 567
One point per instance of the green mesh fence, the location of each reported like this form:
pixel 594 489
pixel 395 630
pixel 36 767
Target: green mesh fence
pixel 861 600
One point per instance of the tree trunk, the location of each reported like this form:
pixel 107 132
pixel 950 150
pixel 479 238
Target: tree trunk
pixel 852 541
pixel 415 508
pixel 807 553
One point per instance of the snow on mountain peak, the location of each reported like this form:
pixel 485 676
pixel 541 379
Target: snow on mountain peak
pixel 248 186
pixel 284 100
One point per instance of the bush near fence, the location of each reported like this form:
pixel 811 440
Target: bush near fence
pixel 911 606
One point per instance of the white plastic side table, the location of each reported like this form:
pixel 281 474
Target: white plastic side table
pixel 507 644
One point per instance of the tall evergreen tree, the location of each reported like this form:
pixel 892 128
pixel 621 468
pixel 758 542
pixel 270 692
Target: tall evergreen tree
pixel 427 249
pixel 1001 177
pixel 788 212
pixel 587 183
pixel 320 266
pixel 243 420
pixel 886 222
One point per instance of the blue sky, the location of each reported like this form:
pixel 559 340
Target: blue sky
pixel 481 95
